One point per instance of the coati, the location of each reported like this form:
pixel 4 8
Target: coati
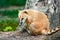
pixel 37 22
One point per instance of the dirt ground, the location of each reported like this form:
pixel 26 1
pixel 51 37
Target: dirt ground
pixel 26 36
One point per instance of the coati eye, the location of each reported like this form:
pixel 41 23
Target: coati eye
pixel 25 12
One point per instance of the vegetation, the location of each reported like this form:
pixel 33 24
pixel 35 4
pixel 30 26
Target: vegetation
pixel 9 13
pixel 8 24
pixel 6 3
pixel 8 18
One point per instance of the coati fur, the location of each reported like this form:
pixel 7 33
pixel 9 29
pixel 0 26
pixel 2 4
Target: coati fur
pixel 37 22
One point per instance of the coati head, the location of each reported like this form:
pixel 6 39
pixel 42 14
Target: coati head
pixel 25 15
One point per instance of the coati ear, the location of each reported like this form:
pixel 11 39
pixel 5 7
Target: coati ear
pixel 19 11
pixel 25 12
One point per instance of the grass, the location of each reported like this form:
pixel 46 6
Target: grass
pixel 8 24
pixel 8 20
pixel 9 13
pixel 7 3
pixel 8 17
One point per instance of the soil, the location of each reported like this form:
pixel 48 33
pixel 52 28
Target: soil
pixel 26 36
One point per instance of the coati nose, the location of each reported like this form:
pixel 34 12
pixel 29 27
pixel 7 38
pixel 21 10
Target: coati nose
pixel 21 23
pixel 22 19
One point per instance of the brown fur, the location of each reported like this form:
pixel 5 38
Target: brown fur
pixel 38 22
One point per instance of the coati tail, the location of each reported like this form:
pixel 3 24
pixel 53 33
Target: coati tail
pixel 52 31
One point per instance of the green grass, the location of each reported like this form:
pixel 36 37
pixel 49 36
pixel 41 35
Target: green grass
pixel 10 13
pixel 8 20
pixel 7 3
pixel 8 24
